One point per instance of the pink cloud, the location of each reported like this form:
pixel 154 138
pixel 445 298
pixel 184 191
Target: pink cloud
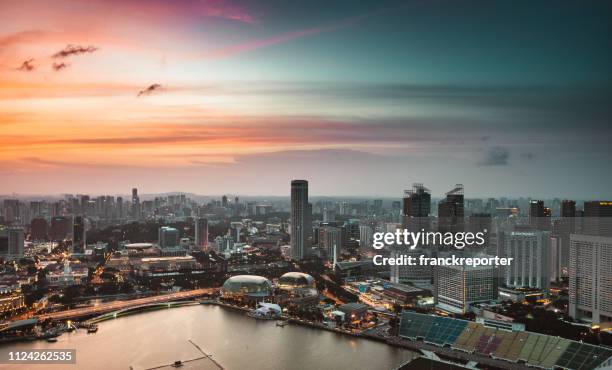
pixel 278 39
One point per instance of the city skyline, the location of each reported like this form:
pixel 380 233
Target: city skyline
pixel 357 97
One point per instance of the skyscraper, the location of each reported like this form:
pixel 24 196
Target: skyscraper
pixel 565 226
pixel 597 218
pixel 450 211
pixel 201 234
pixel 299 219
pixel 365 236
pixel 38 229
pixel 539 216
pixel 332 242
pixel 590 278
pixel 60 227
pixel 416 208
pixel 78 235
pixel 135 204
pixel 531 253
pixel 11 242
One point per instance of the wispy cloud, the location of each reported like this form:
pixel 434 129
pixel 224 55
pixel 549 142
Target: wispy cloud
pixel 27 65
pixel 59 66
pixel 70 50
pixel 248 46
pixel 150 90
pixel 496 156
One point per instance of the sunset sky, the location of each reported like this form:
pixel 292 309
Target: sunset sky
pixel 360 98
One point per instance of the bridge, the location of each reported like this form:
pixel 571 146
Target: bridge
pixel 125 305
pixel 128 310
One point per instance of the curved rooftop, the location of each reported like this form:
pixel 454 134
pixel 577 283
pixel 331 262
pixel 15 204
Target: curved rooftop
pixel 247 285
pixel 138 245
pixel 296 280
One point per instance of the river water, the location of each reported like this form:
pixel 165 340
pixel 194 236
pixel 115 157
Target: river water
pixel 155 338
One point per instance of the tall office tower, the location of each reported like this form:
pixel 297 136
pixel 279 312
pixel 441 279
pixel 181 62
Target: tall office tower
pixel 119 211
pixel 554 261
pixel 168 237
pixel 11 209
pixel 235 229
pixel 539 216
pixel 84 204
pixel 531 253
pixel 135 204
pixel 250 208
pixel 597 218
pixel 39 229
pixel 79 239
pixel 224 201
pixel 568 208
pixel 458 287
pixel 308 226
pixel 565 226
pixel 416 208
pixel 590 278
pixel 331 240
pixel 201 234
pixel 450 211
pixel 299 218
pixel 11 242
pixel 60 227
pixel 329 215
pixel 365 236
pixel 481 223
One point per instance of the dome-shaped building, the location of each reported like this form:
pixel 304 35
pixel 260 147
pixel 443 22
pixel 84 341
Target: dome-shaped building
pixel 246 286
pixel 297 283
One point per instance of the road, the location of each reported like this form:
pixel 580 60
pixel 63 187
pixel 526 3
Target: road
pixel 120 305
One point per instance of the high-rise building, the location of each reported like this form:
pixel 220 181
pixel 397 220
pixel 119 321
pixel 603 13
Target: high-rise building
pixel 119 212
pixel 531 257
pixel 11 242
pixel 39 229
pixel 416 208
pixel 555 266
pixel 60 227
pixel 11 209
pixel 329 215
pixel 168 237
pixel 568 208
pixel 450 211
pixel 224 201
pixel 539 216
pixel 457 287
pixel 79 239
pixel 331 240
pixel 135 204
pixel 299 219
pixel 365 236
pixel 564 227
pixel 201 233
pixel 597 218
pixel 590 278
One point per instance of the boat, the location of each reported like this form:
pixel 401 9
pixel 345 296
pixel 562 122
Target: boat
pixel 282 323
pixel 92 329
pixel 51 340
